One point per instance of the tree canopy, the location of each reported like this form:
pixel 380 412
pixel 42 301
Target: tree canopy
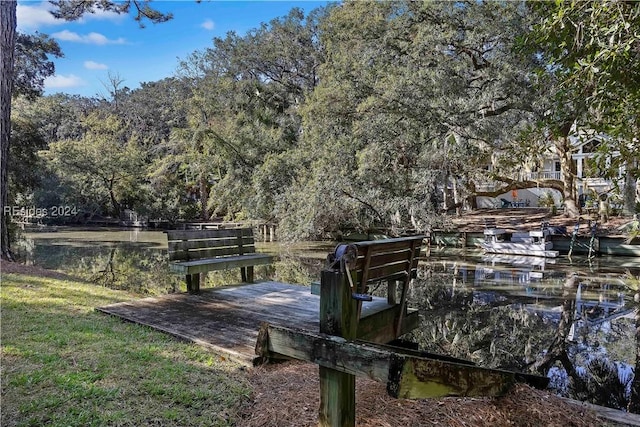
pixel 357 116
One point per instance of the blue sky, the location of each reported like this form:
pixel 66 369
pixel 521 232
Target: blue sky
pixel 104 43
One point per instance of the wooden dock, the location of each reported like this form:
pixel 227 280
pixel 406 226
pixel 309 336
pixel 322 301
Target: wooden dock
pixel 227 319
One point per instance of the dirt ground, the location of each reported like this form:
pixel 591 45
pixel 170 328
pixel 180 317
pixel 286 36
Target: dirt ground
pixel 532 218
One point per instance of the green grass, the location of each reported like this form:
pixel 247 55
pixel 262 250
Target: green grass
pixel 64 364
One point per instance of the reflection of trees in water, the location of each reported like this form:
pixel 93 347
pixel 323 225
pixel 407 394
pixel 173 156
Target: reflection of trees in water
pixel 294 269
pixel 140 271
pixel 634 400
pixel 489 333
pixel 495 330
pixel 590 375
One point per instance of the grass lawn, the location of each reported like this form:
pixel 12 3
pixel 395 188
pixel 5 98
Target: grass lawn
pixel 64 364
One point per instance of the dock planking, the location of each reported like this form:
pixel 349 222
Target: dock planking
pixel 227 319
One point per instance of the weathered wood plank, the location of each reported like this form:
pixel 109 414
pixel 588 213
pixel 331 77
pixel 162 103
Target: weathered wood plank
pixel 209 253
pixel 407 374
pixel 337 309
pixel 225 319
pixel 381 326
pixel 173 235
pixel 380 259
pixel 388 271
pixel 225 263
pixel 338 316
pixel 185 245
pixel 388 244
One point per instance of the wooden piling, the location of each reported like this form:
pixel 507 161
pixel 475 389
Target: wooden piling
pixel 338 317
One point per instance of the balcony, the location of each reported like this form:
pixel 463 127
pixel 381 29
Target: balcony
pixel 534 176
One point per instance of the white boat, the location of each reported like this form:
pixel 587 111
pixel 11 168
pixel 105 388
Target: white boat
pixel 531 243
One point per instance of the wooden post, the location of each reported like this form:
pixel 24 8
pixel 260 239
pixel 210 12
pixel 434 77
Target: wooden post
pixel 392 292
pixel 264 233
pixel 405 287
pixel 193 283
pixel 338 311
pixel 272 233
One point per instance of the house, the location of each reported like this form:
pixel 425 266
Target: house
pixel 588 184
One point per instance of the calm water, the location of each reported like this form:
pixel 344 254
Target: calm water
pixel 515 313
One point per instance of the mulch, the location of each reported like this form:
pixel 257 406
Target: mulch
pixel 287 395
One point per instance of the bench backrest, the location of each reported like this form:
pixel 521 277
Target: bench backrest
pixel 186 245
pixel 386 259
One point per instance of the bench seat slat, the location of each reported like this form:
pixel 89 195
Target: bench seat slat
pixel 389 271
pixel 223 263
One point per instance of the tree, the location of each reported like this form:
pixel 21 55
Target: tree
pixel 591 53
pixel 7 45
pixel 244 108
pixel 413 99
pixel 66 9
pixel 32 64
pixel 26 140
pixel 104 167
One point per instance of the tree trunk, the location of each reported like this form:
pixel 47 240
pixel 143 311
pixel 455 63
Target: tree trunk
pixel 204 198
pixel 558 348
pixel 7 46
pixel 568 170
pixel 629 191
pixel 445 193
pixel 472 199
pixel 117 209
pixel 456 197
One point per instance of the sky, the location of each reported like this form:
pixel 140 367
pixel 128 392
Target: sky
pixel 106 44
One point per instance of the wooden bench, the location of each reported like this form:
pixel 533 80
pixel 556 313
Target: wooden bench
pixel 192 252
pixel 389 262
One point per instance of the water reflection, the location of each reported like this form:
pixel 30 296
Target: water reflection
pixel 573 321
pixel 137 260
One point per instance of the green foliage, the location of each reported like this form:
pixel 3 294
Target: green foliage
pixel 410 96
pixel 362 116
pixel 26 139
pixel 547 200
pixel 32 63
pixel 590 75
pixel 72 10
pixel 104 166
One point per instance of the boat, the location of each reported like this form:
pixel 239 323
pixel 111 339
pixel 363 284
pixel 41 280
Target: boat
pixel 535 243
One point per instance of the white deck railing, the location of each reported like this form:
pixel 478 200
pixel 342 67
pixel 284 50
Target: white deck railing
pixel 532 176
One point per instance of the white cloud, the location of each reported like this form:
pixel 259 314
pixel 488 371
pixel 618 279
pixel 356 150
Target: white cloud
pixel 32 17
pixel 208 25
pixel 92 65
pixel 91 38
pixel 63 82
